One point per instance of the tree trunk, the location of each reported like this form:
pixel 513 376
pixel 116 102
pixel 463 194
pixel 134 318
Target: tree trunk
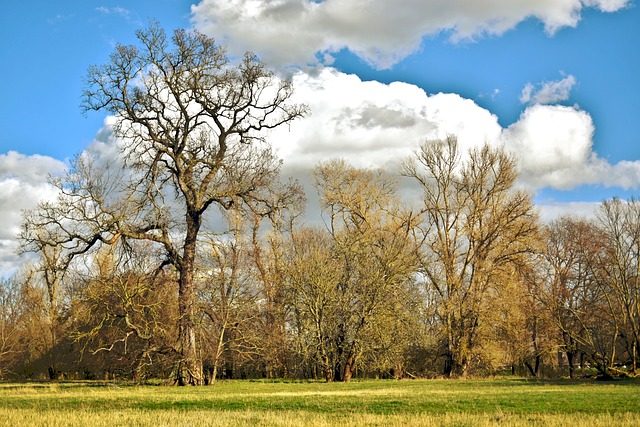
pixel 190 366
pixel 570 357
pixel 348 366
pixel 219 350
pixel 635 357
pixel 340 347
pixel 534 370
pixel 448 364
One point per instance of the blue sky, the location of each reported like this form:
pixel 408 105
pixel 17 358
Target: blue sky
pixel 576 131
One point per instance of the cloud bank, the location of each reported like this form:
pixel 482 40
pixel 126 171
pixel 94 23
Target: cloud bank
pixel 370 123
pixel 382 32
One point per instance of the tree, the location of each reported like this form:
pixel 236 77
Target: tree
pixel 620 267
pixel 474 227
pixel 10 328
pixel 193 130
pixel 373 249
pixel 124 312
pixel 279 208
pixel 44 293
pixel 569 289
pixel 312 274
pixel 539 325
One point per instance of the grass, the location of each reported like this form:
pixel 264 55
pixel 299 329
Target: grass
pixel 428 402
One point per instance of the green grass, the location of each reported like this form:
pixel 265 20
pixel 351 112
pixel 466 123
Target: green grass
pixel 429 402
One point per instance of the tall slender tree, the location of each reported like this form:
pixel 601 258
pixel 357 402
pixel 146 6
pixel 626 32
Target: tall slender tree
pixel 475 225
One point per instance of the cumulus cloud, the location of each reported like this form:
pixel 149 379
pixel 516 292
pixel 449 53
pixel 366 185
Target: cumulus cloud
pixel 382 32
pixel 23 183
pixel 554 144
pixel 374 124
pixel 548 92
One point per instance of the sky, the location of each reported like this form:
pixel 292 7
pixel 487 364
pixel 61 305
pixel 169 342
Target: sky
pixel 554 82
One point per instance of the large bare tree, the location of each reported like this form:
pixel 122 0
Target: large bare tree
pixel 475 225
pixel 192 127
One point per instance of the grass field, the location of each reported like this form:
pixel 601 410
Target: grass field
pixel 359 403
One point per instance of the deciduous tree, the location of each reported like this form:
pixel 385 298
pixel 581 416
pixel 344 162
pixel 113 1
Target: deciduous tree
pixel 192 126
pixel 371 242
pixel 474 226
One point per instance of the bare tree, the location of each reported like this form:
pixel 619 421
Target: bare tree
pixel 620 267
pixel 125 312
pixel 312 273
pixel 474 226
pixel 44 292
pixel 269 223
pixel 10 328
pixel 569 290
pixel 193 128
pixel 371 238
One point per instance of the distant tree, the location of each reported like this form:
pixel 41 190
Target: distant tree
pixel 269 223
pixel 540 332
pixel 193 130
pixel 619 268
pixel 312 273
pixel 229 300
pixel 569 290
pixel 44 292
pixel 11 331
pixel 474 226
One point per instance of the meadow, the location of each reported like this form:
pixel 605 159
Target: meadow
pixel 358 403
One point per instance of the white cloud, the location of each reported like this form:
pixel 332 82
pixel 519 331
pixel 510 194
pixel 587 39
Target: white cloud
pixel 382 32
pixel 29 169
pixel 550 211
pixel 549 92
pixel 23 183
pixel 554 144
pixel 376 124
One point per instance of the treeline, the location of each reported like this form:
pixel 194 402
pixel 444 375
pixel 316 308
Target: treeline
pixel 185 257
pixel 463 281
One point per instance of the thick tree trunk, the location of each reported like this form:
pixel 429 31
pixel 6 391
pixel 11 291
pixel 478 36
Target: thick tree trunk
pixel 457 360
pixel 190 366
pixel 348 366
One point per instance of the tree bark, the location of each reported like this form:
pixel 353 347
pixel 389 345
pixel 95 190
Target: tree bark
pixel 190 365
pixel 570 358
pixel 348 366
